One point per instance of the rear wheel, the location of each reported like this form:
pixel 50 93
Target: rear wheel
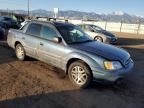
pixel 98 38
pixel 79 74
pixel 20 52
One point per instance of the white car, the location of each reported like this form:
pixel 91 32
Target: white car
pixel 99 34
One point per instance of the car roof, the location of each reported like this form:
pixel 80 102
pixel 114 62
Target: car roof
pixel 54 23
pixel 62 24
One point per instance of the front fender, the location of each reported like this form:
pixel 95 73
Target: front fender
pixel 88 59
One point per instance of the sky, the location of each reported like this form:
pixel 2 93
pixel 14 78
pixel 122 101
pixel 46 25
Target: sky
pixel 134 7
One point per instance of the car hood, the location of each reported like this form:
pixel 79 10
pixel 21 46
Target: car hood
pixel 106 51
pixel 107 33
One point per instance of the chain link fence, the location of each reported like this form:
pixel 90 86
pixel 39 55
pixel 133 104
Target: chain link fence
pixel 115 26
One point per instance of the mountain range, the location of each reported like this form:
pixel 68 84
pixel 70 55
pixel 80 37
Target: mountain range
pixel 116 16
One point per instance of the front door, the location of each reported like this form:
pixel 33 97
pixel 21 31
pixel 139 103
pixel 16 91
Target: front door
pixel 48 50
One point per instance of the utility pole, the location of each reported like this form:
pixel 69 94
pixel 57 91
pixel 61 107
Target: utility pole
pixel 28 7
pixel 7 11
pixel 121 24
pixel 106 24
pixel 139 24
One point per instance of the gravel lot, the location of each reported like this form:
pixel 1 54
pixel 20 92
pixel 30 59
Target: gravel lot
pixel 33 84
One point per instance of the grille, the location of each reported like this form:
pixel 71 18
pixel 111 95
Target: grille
pixel 113 39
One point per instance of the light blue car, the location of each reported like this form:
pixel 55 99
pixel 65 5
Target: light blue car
pixel 67 47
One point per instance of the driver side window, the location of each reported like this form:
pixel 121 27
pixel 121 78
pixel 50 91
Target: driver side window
pixel 48 33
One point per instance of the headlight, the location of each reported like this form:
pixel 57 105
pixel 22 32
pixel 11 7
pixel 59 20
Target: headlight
pixel 114 65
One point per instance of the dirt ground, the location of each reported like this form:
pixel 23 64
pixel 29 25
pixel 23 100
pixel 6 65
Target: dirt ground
pixel 33 84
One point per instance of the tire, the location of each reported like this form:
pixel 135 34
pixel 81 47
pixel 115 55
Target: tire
pixel 20 52
pixel 98 38
pixel 80 74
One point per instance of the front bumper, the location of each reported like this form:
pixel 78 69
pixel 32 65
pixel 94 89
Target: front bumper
pixel 113 75
pixel 113 40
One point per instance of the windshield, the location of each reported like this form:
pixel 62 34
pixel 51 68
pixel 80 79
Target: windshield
pixel 97 28
pixel 73 34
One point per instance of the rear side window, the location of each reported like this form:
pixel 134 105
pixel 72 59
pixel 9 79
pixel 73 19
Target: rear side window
pixel 48 33
pixel 34 29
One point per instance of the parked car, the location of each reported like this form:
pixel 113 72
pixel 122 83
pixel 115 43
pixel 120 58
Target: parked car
pixel 3 30
pixel 10 22
pixel 68 47
pixel 99 34
pixel 2 33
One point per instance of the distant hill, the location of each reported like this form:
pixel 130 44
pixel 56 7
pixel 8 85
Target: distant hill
pixel 117 16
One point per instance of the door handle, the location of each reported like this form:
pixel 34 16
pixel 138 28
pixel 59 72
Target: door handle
pixel 41 44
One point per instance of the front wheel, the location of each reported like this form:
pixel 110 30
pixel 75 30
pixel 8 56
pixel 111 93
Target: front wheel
pixel 20 52
pixel 98 38
pixel 79 74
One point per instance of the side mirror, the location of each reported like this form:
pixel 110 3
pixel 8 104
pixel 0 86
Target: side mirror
pixel 92 30
pixel 57 40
